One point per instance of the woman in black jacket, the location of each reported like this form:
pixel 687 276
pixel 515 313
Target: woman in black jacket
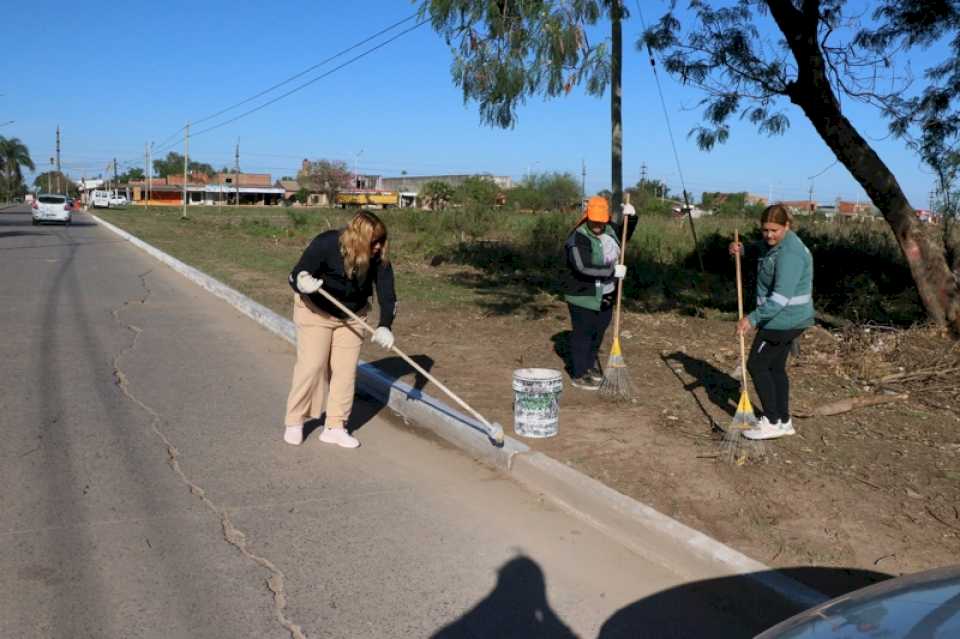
pixel 349 264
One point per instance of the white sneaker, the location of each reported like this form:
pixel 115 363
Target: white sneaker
pixel 787 427
pixel 293 435
pixel 766 430
pixel 340 437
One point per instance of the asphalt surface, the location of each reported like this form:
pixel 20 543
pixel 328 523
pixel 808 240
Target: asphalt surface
pixel 145 490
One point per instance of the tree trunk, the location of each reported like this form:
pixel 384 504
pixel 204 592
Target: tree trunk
pixel 813 93
pixel 616 120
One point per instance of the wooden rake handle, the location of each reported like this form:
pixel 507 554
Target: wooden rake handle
pixel 492 430
pixel 623 256
pixel 743 349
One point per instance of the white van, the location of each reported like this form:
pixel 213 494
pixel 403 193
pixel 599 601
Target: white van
pixel 100 199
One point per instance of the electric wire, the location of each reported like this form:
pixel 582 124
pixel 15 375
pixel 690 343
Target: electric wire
pixel 673 144
pixel 306 71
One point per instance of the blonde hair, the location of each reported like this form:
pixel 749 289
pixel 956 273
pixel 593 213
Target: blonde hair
pixel 778 214
pixel 356 241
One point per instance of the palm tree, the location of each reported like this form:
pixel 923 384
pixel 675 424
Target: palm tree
pixel 14 154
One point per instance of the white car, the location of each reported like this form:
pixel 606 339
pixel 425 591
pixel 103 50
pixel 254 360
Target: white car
pixel 52 207
pixel 118 201
pixel 100 199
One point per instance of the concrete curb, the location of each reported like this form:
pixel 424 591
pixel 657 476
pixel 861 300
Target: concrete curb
pixel 644 530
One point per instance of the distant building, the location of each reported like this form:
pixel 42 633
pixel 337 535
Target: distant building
pixel 800 207
pixel 413 183
pixel 856 209
pixel 223 188
pixel 714 199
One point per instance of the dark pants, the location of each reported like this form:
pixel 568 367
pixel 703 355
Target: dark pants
pixel 588 330
pixel 767 364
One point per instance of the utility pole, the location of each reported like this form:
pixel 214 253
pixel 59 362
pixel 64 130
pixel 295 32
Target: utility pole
pixel 186 162
pixel 236 171
pixel 146 169
pixel 583 179
pixel 59 173
pixel 643 173
pixel 50 177
pixel 150 173
pixel 116 179
pixel 813 207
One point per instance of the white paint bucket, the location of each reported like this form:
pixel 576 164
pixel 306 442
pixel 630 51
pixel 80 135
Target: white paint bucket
pixel 536 401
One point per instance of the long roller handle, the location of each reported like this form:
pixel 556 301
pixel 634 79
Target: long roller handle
pixel 493 431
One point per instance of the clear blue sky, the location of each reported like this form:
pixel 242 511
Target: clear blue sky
pixel 116 76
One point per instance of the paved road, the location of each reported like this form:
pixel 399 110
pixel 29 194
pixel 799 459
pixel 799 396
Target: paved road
pixel 145 490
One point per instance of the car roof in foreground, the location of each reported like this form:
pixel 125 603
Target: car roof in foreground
pixel 924 605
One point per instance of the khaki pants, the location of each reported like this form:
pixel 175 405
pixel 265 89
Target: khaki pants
pixel 328 351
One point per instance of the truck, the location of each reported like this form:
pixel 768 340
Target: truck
pixel 367 197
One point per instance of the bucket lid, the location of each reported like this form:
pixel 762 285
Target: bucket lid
pixel 547 378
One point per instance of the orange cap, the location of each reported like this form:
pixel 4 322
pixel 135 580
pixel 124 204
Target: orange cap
pixel 597 209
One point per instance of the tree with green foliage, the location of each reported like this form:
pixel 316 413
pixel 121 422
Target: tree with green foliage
pixel 325 176
pixel 173 165
pixel 820 59
pixel 14 157
pixel 507 50
pixel 477 189
pixel 302 195
pixel 556 191
pixel 55 182
pixel 130 175
pixel 436 194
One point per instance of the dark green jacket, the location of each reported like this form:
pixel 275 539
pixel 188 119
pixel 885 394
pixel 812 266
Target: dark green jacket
pixel 586 272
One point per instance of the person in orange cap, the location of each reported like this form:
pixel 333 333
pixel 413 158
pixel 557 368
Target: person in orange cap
pixel 593 251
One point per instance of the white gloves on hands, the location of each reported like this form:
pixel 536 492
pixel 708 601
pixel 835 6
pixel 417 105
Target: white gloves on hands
pixel 383 337
pixel 620 271
pixel 628 209
pixel 307 283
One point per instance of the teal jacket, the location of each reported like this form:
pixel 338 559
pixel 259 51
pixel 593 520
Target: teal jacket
pixel 784 286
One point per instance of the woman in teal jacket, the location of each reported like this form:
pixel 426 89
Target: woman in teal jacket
pixel 784 310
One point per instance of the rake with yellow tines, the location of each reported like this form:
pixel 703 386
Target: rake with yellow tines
pixel 616 382
pixel 738 449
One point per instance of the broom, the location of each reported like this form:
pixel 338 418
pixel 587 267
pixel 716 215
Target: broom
pixel 738 449
pixel 616 382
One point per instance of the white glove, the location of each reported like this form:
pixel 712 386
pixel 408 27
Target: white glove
pixel 383 337
pixel 620 271
pixel 307 283
pixel 628 209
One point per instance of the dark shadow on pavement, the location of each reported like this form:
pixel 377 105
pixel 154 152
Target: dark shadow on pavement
pixel 735 607
pixel 21 234
pixel 517 608
pixel 366 407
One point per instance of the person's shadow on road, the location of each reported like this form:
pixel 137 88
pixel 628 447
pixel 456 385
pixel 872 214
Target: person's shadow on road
pixel 517 608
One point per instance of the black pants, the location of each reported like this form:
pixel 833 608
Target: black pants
pixel 588 330
pixel 767 364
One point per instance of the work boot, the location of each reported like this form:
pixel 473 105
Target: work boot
pixel 585 382
pixel 594 374
pixel 340 437
pixel 293 435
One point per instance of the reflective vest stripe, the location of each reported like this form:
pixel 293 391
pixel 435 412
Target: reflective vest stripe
pixel 781 300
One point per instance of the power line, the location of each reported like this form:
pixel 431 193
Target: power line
pixel 172 141
pixel 307 70
pixel 309 82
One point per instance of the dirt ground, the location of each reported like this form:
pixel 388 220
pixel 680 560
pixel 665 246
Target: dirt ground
pixel 875 488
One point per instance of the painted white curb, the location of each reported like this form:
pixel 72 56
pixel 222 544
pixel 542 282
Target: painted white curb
pixel 670 543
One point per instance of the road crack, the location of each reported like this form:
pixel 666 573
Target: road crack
pixel 231 534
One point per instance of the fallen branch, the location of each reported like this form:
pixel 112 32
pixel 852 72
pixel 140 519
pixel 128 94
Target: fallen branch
pixel 914 375
pixel 849 404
